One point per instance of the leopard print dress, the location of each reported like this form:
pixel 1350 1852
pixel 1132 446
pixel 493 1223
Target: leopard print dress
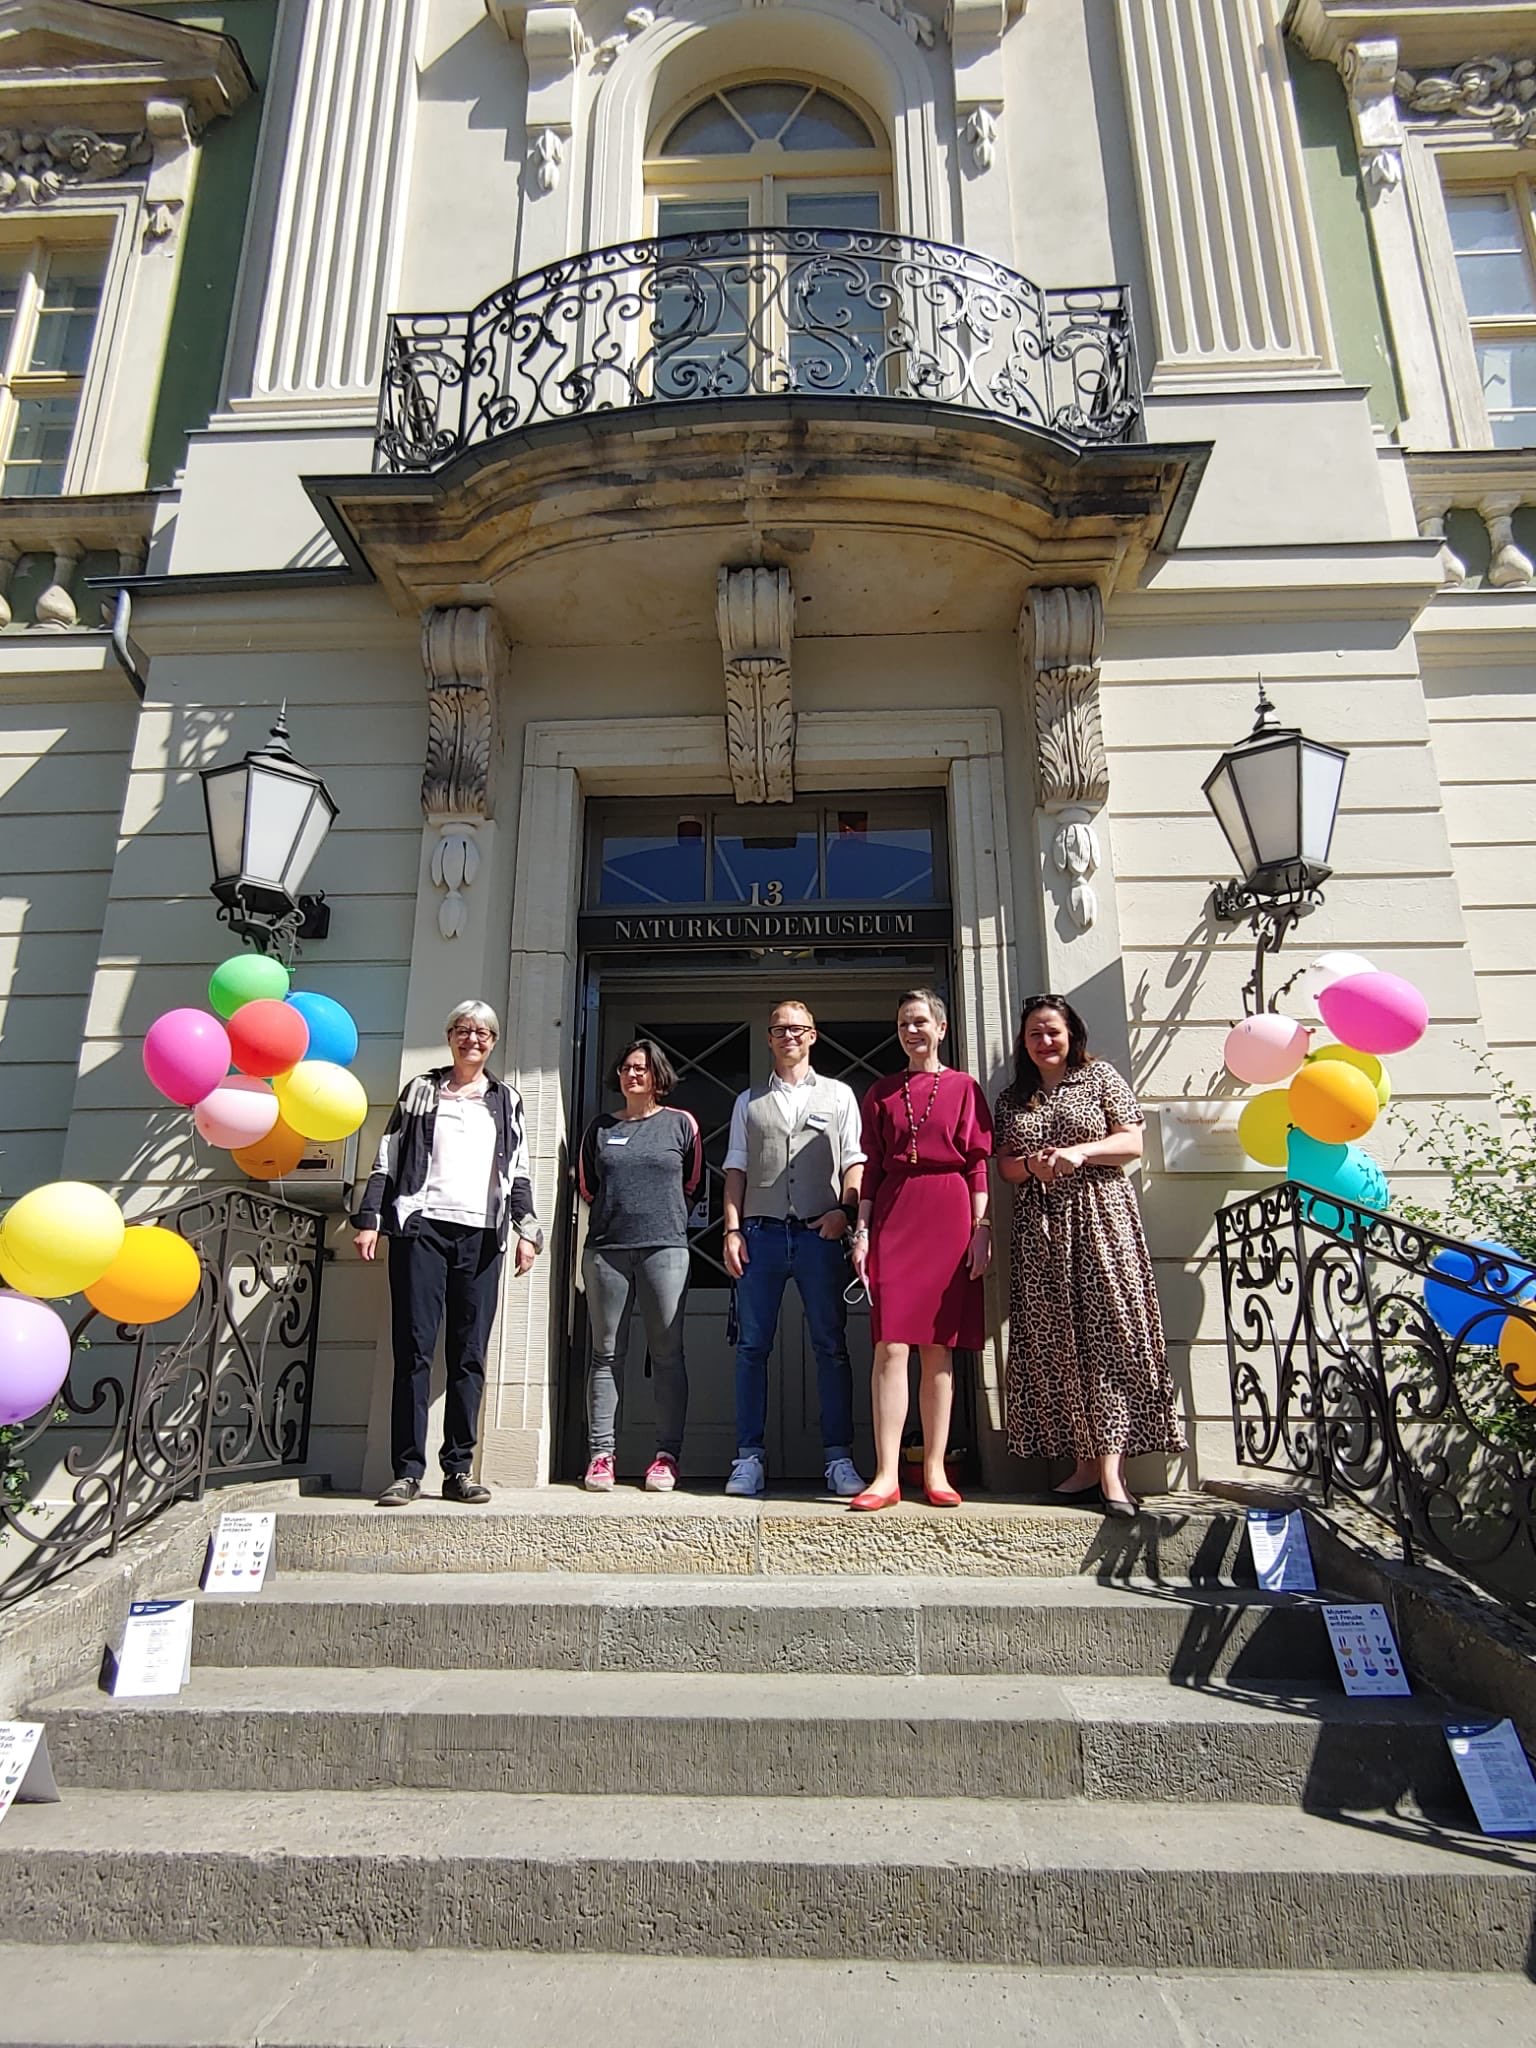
pixel 1087 1368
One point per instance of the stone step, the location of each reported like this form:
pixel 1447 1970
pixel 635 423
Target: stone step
pixel 103 1996
pixel 559 1528
pixel 700 1734
pixel 1076 1884
pixel 584 1622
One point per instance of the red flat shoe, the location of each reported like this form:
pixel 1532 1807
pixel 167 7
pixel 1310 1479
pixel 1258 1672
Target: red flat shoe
pixel 866 1502
pixel 942 1497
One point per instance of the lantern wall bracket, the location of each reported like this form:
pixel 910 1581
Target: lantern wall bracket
pixel 269 927
pixel 1271 918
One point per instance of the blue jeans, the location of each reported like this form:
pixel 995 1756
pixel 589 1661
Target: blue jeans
pixel 777 1253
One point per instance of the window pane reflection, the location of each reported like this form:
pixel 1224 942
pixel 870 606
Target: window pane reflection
pixel 641 867
pixel 879 864
pixel 781 865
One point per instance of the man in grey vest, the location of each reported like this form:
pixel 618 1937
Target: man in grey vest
pixel 792 1177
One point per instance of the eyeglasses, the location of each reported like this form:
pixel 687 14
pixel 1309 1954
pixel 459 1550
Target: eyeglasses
pixel 474 1031
pixel 789 1030
pixel 635 1073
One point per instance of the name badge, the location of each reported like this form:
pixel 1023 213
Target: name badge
pixel 616 1137
pixel 817 1120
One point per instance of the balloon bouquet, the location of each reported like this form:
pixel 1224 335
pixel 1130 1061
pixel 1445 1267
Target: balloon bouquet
pixel 1335 1094
pixel 290 1052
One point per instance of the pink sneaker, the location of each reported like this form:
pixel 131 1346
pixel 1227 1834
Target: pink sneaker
pixel 661 1473
pixel 599 1474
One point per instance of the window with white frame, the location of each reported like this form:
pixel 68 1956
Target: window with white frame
pixel 1493 234
pixel 50 296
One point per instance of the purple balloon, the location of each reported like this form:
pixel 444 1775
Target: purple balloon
pixel 34 1356
pixel 186 1055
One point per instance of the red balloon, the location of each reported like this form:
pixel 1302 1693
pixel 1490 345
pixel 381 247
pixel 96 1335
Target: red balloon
pixel 267 1037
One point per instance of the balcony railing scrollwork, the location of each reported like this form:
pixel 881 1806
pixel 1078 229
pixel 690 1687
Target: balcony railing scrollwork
pixel 1342 1379
pixel 803 313
pixel 149 1416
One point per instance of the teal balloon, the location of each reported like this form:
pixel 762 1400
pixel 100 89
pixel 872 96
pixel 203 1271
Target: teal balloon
pixel 332 1034
pixel 1343 1171
pixel 247 978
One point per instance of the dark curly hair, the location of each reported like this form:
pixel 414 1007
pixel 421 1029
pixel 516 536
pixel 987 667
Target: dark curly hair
pixel 1026 1075
pixel 663 1075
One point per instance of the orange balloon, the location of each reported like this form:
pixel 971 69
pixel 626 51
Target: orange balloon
pixel 1333 1102
pixel 1517 1355
pixel 153 1277
pixel 278 1153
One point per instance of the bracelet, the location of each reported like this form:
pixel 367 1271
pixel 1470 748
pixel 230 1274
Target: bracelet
pixel 735 1233
pixel 859 1230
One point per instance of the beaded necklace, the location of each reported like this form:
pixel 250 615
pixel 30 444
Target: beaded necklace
pixel 915 1123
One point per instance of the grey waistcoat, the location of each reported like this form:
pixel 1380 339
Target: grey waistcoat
pixel 793 1172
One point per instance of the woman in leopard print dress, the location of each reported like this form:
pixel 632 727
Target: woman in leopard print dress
pixel 1087 1370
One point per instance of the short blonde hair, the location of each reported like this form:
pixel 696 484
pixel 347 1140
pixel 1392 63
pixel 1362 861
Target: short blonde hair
pixel 473 1013
pixel 794 1003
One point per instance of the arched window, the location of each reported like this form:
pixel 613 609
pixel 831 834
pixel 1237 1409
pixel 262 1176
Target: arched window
pixel 768 152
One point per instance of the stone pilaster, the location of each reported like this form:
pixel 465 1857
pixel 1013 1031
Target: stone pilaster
pixel 329 273
pixel 976 29
pixel 1232 260
pixel 755 611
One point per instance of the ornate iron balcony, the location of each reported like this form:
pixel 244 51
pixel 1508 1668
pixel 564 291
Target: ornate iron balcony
pixel 756 313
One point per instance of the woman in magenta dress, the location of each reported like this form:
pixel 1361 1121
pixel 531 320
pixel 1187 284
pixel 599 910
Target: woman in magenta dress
pixel 922 1242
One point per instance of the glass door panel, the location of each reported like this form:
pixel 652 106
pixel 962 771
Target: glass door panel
pixel 837 334
pixel 703 303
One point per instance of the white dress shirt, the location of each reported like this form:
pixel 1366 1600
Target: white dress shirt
pixel 788 1095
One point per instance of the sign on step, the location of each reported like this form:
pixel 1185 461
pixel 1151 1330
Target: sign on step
pixel 239 1553
pixel 25 1772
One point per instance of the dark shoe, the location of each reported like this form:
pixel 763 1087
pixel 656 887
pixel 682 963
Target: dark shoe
pixel 1122 1510
pixel 1079 1497
pixel 469 1492
pixel 399 1493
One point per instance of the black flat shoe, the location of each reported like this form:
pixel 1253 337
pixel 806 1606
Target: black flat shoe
pixel 1079 1497
pixel 1122 1510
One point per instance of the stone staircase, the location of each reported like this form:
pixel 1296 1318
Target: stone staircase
pixel 722 1730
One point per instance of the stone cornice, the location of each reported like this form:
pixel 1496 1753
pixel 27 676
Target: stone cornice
pixel 1430 34
pixel 80 64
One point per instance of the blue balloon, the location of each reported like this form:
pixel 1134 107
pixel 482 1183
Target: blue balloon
pixel 1460 1311
pixel 332 1034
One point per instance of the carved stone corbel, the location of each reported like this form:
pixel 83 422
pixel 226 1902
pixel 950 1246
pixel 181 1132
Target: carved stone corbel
pixel 1369 71
pixel 755 610
pixel 1061 632
pixel 464 653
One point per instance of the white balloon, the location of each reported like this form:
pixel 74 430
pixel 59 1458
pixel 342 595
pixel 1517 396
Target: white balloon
pixel 1328 968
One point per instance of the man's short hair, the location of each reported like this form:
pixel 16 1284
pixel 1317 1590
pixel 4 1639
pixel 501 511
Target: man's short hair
pixel 794 1003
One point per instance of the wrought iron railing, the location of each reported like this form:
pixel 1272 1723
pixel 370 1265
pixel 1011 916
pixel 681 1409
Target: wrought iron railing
pixel 818 313
pixel 149 1416
pixel 1341 1377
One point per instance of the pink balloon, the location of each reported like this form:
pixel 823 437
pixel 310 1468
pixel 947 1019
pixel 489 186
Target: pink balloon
pixel 240 1111
pixel 1374 1012
pixel 1266 1048
pixel 34 1356
pixel 186 1055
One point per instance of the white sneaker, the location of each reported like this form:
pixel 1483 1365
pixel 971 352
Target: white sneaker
pixel 749 1477
pixel 843 1478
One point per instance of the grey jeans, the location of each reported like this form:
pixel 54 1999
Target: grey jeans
pixel 658 1277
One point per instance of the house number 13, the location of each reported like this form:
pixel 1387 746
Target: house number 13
pixel 767 895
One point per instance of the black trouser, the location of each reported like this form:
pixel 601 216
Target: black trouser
pixel 458 1264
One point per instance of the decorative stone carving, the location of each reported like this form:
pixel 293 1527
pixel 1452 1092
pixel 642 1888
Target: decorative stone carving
pixel 464 653
pixel 918 26
pixel 1063 629
pixel 1432 518
pixel 636 22
pixel 1369 71
pixel 1509 563
pixel 171 137
pixel 547 155
pixel 755 611
pixel 36 165
pixel 1076 854
pixel 980 131
pixel 1499 91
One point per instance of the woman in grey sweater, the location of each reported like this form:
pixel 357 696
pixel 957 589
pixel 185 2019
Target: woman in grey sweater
pixel 639 1171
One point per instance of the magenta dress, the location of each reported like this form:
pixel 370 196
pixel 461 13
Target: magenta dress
pixel 920 1228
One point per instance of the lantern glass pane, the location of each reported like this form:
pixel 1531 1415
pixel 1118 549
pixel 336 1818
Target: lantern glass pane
pixel 317 822
pixel 1267 789
pixel 226 820
pixel 1322 777
pixel 278 807
pixel 1221 794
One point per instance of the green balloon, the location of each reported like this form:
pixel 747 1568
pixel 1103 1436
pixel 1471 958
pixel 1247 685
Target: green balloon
pixel 247 978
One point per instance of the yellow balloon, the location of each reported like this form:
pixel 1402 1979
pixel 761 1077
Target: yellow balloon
pixel 154 1276
pixel 1264 1125
pixel 320 1100
pixel 1333 1102
pixel 1517 1355
pixel 60 1238
pixel 1368 1064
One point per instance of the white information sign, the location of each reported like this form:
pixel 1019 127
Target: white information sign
pixel 156 1654
pixel 1366 1653
pixel 25 1772
pixel 1282 1557
pixel 239 1554
pixel 1497 1774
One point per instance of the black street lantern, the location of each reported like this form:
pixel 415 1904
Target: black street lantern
pixel 1276 798
pixel 267 816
